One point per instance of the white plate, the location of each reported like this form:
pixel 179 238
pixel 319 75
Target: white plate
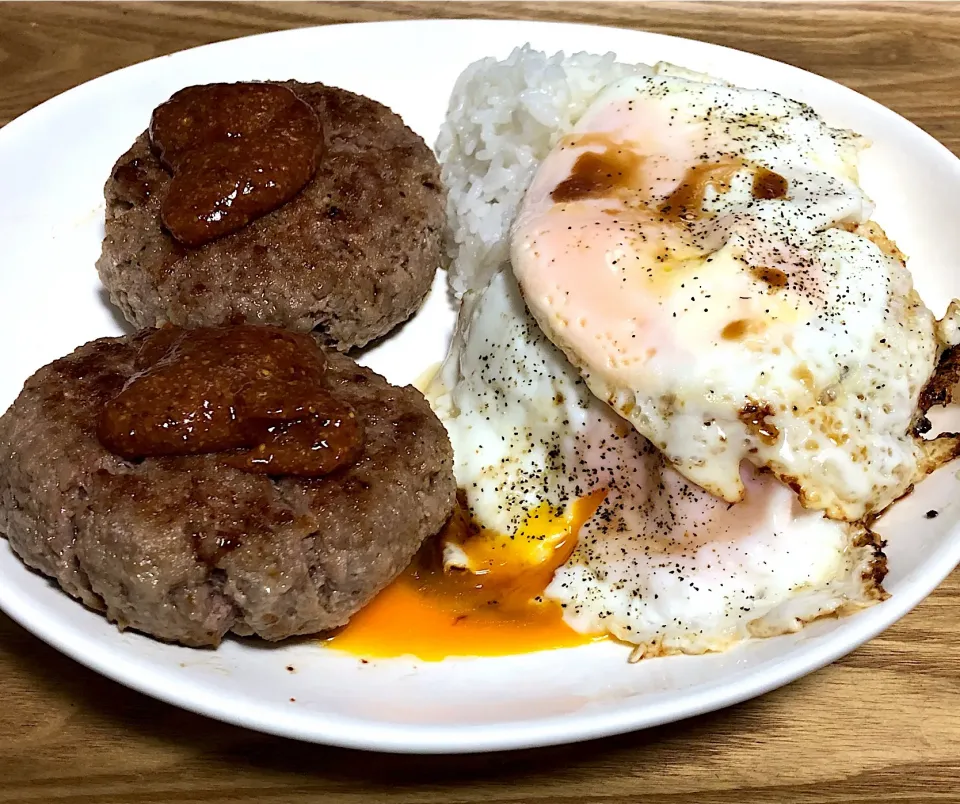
pixel 54 161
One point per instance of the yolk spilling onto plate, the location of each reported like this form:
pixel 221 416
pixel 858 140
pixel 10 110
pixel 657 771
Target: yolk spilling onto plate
pixel 490 603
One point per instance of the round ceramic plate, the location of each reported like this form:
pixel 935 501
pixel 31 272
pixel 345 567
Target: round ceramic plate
pixel 54 161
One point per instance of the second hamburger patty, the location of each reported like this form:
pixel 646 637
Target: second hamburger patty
pixel 351 256
pixel 189 548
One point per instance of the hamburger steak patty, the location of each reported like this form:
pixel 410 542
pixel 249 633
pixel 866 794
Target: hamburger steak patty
pixel 352 255
pixel 188 548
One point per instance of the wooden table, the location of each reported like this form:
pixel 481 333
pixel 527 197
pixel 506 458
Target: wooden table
pixel 882 725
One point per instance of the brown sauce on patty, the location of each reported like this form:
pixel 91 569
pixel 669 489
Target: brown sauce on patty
pixel 256 395
pixel 236 152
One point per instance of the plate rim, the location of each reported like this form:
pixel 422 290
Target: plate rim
pixel 137 672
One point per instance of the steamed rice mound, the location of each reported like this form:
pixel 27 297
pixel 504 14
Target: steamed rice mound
pixel 504 118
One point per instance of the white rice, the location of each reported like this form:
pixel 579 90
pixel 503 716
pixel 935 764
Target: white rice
pixel 504 118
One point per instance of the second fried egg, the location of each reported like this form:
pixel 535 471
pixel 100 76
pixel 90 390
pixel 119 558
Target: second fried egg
pixel 661 563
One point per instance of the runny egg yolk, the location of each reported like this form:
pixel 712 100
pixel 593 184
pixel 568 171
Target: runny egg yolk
pixel 490 604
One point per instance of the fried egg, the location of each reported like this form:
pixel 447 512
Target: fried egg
pixel 658 562
pixel 704 255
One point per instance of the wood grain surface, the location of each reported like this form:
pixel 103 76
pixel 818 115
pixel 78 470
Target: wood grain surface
pixel 882 725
